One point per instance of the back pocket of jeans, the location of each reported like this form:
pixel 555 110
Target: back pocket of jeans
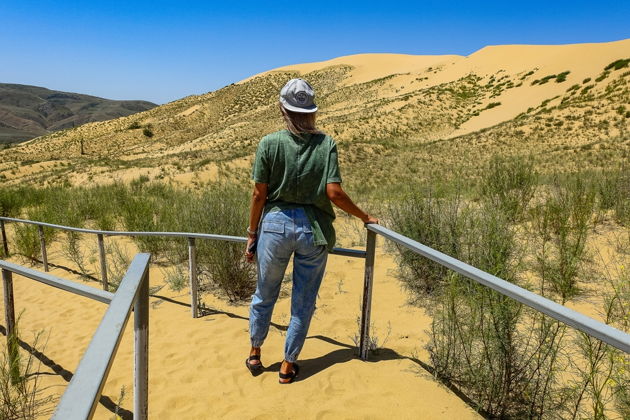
pixel 273 227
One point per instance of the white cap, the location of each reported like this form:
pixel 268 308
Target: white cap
pixel 298 96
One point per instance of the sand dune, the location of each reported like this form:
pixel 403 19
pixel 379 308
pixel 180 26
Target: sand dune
pixel 368 67
pixel 582 60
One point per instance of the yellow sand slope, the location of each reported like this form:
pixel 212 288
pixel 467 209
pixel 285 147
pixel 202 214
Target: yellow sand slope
pixel 368 67
pixel 582 60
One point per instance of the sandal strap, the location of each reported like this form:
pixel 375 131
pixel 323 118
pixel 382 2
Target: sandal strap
pixel 287 375
pixel 291 375
pixel 254 357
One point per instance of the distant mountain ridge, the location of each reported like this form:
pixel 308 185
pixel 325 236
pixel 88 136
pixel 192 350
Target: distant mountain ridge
pixel 31 111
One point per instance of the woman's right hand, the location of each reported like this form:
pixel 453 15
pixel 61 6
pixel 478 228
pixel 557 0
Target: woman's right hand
pixel 370 220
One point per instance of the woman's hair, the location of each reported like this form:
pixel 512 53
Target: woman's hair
pixel 298 122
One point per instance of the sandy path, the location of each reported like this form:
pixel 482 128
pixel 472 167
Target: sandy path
pixel 196 365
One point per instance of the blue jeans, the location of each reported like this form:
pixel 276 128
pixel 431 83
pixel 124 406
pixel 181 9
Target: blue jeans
pixel 283 233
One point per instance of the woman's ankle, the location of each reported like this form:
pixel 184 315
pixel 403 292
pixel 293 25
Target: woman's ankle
pixel 286 366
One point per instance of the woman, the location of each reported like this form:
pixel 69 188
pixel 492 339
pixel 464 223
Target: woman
pixel 296 177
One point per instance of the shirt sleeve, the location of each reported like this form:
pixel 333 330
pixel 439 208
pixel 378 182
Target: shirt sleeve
pixel 333 165
pixel 260 171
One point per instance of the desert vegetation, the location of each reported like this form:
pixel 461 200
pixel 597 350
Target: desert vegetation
pixel 139 206
pixel 512 361
pixel 21 394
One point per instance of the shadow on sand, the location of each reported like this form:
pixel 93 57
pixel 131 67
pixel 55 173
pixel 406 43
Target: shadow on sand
pixel 346 353
pixel 308 367
pixel 104 400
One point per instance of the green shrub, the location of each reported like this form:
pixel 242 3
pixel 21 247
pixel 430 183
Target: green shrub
pixel 73 250
pixel 562 76
pixel 134 126
pixel 224 210
pixel 602 76
pixel 147 132
pixel 27 236
pixel 11 202
pixel 618 64
pixel 509 184
pixel 613 190
pixel 562 224
pixel 176 277
pixel 217 208
pixel 22 398
pixel 479 339
pixel 117 264
pixel 586 89
pixel 526 75
pixel 142 206
pixel 140 214
pixel 436 222
pixel 544 79
pixel 27 240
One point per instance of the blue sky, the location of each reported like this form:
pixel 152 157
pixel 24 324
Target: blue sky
pixel 164 50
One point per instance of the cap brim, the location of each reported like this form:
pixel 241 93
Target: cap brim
pixel 306 110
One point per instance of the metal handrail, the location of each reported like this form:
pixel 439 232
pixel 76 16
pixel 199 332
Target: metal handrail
pixel 82 394
pixel 590 326
pixel 337 251
pixel 595 328
pixel 192 250
pixel 69 286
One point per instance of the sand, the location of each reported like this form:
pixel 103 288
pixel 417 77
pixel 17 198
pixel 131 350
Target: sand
pixel 197 365
pixel 368 67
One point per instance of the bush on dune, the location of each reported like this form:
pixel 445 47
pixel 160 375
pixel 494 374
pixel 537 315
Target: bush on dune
pixel 144 206
pixel 507 358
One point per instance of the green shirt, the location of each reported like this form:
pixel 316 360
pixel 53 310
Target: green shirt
pixel 297 171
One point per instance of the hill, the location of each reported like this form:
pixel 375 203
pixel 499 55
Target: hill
pixel 30 111
pixel 395 117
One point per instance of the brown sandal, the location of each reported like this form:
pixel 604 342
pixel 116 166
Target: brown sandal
pixel 256 368
pixel 290 376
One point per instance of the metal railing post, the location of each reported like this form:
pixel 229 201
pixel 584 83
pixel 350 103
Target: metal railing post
pixel 42 241
pixel 5 243
pixel 192 274
pixel 9 314
pixel 366 308
pixel 102 257
pixel 141 367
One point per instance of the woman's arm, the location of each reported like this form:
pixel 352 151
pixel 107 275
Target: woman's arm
pixel 338 196
pixel 259 198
